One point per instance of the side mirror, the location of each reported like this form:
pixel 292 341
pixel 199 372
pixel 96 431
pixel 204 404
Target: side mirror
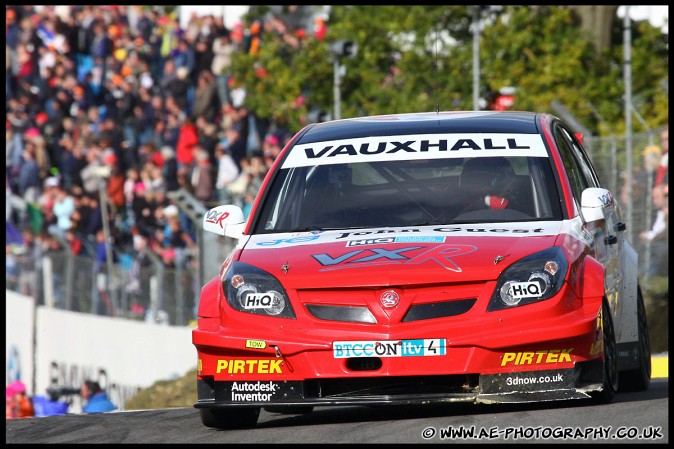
pixel 227 221
pixel 593 202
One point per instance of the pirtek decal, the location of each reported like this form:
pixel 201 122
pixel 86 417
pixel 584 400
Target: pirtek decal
pixel 537 357
pixel 440 254
pixel 250 366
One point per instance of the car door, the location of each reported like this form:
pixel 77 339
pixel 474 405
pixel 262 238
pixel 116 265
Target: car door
pixel 607 233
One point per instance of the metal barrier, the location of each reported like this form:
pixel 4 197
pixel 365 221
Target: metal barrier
pixel 154 294
pixel 608 155
pixel 159 294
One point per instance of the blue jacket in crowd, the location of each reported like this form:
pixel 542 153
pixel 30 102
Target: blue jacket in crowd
pixel 99 403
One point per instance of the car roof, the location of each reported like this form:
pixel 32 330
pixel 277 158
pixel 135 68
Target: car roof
pixel 423 123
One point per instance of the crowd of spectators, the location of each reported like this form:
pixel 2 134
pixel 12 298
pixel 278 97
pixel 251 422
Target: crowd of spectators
pixel 657 236
pixel 122 99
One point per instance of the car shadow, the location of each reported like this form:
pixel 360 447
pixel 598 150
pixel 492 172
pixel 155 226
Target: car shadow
pixel 351 414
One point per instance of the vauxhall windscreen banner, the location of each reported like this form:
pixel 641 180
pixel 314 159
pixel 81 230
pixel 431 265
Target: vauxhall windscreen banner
pixel 124 356
pixel 410 147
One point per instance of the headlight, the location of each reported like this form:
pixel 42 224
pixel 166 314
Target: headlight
pixel 532 279
pixel 252 290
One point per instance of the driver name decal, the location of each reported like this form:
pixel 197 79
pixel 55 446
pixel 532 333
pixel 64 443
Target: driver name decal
pixel 424 234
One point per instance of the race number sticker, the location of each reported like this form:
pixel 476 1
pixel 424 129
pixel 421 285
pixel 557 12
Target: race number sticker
pixel 389 348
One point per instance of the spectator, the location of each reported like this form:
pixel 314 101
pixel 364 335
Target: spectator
pixel 91 91
pixel 658 235
pixel 143 211
pixel 18 404
pixel 171 131
pixel 237 188
pixel 202 177
pixel 176 239
pixel 170 169
pixel 10 404
pixel 29 176
pixel 101 297
pixel 208 137
pixel 74 242
pixel 227 172
pixel 187 140
pixel 248 200
pixel 11 267
pixel 662 172
pixel 63 208
pixel 184 56
pixel 73 161
pixel 14 150
pixel 239 146
pixel 140 274
pixel 271 147
pixel 33 250
pixel 258 171
pixel 96 397
pixel 222 61
pixel 93 172
pixel 94 217
pixel 205 100
pixel 179 89
pixel 132 177
pixel 34 138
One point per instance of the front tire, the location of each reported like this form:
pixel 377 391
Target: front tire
pixel 639 379
pixel 610 384
pixel 239 418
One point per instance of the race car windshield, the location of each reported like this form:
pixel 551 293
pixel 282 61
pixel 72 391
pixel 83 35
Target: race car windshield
pixel 412 192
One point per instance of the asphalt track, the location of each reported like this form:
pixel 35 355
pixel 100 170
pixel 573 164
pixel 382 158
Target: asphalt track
pixel 637 418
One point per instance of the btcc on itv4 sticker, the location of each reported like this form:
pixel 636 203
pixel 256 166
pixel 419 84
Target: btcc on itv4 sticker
pixel 389 348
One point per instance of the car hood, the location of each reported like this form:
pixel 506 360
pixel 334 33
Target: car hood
pixel 396 256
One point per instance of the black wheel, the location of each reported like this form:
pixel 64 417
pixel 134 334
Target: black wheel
pixel 239 418
pixel 639 379
pixel 610 358
pixel 290 409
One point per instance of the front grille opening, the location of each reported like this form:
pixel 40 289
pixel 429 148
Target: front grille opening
pixel 349 314
pixel 438 309
pixel 392 386
pixel 364 363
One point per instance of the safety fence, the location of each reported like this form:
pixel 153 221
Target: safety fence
pixel 609 157
pixel 169 295
pixel 153 293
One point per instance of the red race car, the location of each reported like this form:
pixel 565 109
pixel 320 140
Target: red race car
pixel 419 258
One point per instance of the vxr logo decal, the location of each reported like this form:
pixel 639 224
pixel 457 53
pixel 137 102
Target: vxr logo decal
pixel 440 254
pixel 213 217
